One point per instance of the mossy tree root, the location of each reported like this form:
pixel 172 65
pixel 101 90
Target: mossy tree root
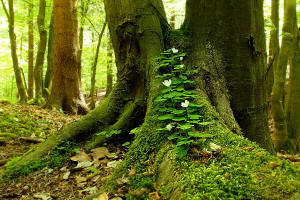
pixel 109 115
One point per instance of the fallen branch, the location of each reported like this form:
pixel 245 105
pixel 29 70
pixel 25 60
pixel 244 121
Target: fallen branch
pixel 32 140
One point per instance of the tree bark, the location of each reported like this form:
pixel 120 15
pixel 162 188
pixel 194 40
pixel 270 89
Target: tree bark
pixel 30 50
pixel 66 89
pixel 277 98
pixel 109 76
pixel 50 56
pixel 94 68
pixel 232 59
pixel 12 37
pixel 38 68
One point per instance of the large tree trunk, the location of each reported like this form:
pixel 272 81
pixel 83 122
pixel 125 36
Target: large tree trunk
pixel 30 50
pixel 233 60
pixel 13 45
pixel 277 98
pixel 38 68
pixel 50 56
pixel 94 68
pixel 66 89
pixel 138 30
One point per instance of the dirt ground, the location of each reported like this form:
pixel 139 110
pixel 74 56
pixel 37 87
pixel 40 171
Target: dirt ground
pixel 81 175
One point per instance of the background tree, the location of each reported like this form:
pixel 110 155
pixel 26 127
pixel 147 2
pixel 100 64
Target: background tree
pixel 50 56
pixel 109 77
pixel 38 68
pixel 11 21
pixel 292 106
pixel 30 49
pixel 277 99
pixel 66 89
pixel 94 68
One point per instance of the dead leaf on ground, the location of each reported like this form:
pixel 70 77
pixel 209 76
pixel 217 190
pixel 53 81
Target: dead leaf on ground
pixel 248 148
pixel 84 164
pixel 103 196
pixel 100 153
pixel 227 175
pixel 81 157
pixel 155 196
pixel 132 172
pixel 273 164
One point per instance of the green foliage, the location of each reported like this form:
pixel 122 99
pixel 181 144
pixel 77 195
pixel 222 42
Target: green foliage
pixel 110 134
pixel 178 109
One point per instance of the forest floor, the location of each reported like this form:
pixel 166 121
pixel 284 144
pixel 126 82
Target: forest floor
pixel 81 174
pixel 21 128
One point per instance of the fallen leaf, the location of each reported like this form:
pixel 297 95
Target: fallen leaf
pixel 260 154
pixel 155 196
pixel 43 196
pixel 84 164
pixel 273 164
pixel 113 164
pixel 103 196
pixel 66 175
pixel 248 148
pixel 214 147
pixel 80 181
pixel 81 157
pixel 227 175
pixel 132 172
pixel 90 190
pixel 100 153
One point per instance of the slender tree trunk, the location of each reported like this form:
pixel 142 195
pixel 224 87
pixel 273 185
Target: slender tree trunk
pixel 30 50
pixel 173 20
pixel 12 37
pixel 50 56
pixel 277 99
pixel 66 88
pixel 38 68
pixel 273 45
pixel 84 7
pixel 94 68
pixel 109 76
pixel 292 108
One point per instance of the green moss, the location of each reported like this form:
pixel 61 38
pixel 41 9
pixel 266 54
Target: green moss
pixel 55 159
pixel 235 174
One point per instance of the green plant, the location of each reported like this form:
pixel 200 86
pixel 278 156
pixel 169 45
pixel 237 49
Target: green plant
pixel 111 133
pixel 178 109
